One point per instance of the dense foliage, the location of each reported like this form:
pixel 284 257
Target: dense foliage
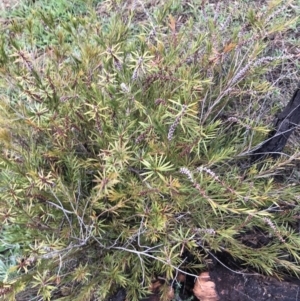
pixel 126 131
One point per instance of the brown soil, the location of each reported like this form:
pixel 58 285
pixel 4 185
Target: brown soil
pixel 246 287
pixel 229 285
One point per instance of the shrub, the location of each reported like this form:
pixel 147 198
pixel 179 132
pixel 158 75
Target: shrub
pixel 125 137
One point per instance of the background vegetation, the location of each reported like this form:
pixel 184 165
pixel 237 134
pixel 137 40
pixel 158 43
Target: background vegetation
pixel 126 129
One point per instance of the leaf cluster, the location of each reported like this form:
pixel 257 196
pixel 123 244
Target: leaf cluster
pixel 124 143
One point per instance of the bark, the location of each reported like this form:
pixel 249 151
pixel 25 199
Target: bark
pixel 284 125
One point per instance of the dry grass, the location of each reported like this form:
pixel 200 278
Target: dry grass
pixel 8 4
